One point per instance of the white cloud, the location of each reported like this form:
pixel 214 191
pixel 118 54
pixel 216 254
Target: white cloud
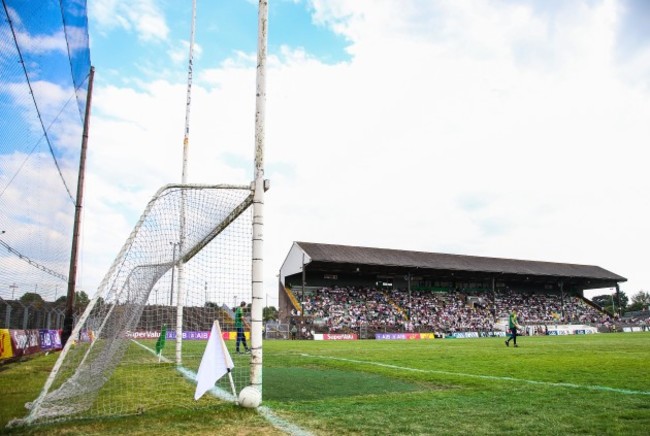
pixel 144 17
pixel 180 53
pixel 497 129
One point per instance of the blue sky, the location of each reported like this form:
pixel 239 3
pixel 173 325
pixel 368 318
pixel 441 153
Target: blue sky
pixel 222 28
pixel 492 128
pixel 36 196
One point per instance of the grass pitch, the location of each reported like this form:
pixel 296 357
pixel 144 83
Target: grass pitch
pixel 567 385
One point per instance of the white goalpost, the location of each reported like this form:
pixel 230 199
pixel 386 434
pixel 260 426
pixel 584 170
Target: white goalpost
pixel 117 361
pixel 259 187
pixel 186 140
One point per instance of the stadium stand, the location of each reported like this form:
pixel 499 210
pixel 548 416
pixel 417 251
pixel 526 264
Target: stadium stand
pixel 347 289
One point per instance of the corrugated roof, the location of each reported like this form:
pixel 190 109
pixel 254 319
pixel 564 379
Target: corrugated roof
pixel 345 254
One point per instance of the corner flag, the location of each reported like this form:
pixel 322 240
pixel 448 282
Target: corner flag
pixel 215 363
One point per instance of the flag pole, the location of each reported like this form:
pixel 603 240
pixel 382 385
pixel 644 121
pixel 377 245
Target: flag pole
pixel 232 385
pixel 225 360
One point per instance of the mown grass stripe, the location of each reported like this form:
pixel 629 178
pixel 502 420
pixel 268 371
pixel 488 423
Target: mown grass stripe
pixel 485 377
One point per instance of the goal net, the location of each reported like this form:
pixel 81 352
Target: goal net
pixel 187 263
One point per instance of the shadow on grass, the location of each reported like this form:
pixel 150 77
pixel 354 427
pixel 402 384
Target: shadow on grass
pixel 305 384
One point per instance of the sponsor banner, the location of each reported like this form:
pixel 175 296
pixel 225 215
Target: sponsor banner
pixel 187 335
pixel 86 336
pixel 149 335
pixel 195 336
pixel 50 340
pixel 464 335
pixel 390 336
pixel 336 337
pixel 340 337
pixel 497 334
pixel 632 329
pixel 457 335
pixel 558 332
pixel 25 342
pixel 232 336
pixel 572 330
pixel 6 350
pixel 403 336
pixel 584 331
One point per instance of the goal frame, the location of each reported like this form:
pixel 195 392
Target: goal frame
pixel 117 263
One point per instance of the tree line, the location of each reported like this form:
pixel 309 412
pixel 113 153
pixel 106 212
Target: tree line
pixel 611 303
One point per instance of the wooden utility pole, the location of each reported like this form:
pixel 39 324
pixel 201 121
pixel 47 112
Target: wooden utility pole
pixel 68 320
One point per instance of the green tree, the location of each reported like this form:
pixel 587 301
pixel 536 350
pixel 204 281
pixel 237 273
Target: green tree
pixel 605 301
pixel 81 300
pixel 269 313
pixel 640 301
pixel 32 298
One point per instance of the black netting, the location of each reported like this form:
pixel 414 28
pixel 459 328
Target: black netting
pixel 44 69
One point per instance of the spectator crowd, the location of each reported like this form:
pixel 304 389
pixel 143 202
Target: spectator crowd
pixel 348 309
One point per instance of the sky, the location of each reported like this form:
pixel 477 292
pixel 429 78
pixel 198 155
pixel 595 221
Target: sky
pixel 512 129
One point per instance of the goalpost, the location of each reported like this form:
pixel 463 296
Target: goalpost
pixel 109 366
pixel 213 236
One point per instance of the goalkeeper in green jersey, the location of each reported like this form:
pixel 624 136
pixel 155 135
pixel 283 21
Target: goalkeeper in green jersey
pixel 239 325
pixel 514 325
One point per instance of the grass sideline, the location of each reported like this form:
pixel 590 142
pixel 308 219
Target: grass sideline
pixel 593 384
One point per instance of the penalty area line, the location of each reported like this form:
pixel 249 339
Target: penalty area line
pixel 487 377
pixel 224 395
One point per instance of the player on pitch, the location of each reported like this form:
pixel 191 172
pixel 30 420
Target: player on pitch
pixel 239 325
pixel 514 325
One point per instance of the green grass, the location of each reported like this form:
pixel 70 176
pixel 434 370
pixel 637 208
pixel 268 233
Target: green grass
pixel 570 385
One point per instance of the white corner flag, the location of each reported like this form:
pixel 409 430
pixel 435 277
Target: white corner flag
pixel 215 363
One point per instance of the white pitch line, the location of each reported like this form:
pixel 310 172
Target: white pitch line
pixel 487 377
pixel 152 351
pixel 224 395
pixel 280 423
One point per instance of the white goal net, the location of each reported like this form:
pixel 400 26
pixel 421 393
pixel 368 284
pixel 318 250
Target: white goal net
pixel 187 263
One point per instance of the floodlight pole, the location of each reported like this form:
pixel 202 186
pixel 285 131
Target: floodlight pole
pixel 259 185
